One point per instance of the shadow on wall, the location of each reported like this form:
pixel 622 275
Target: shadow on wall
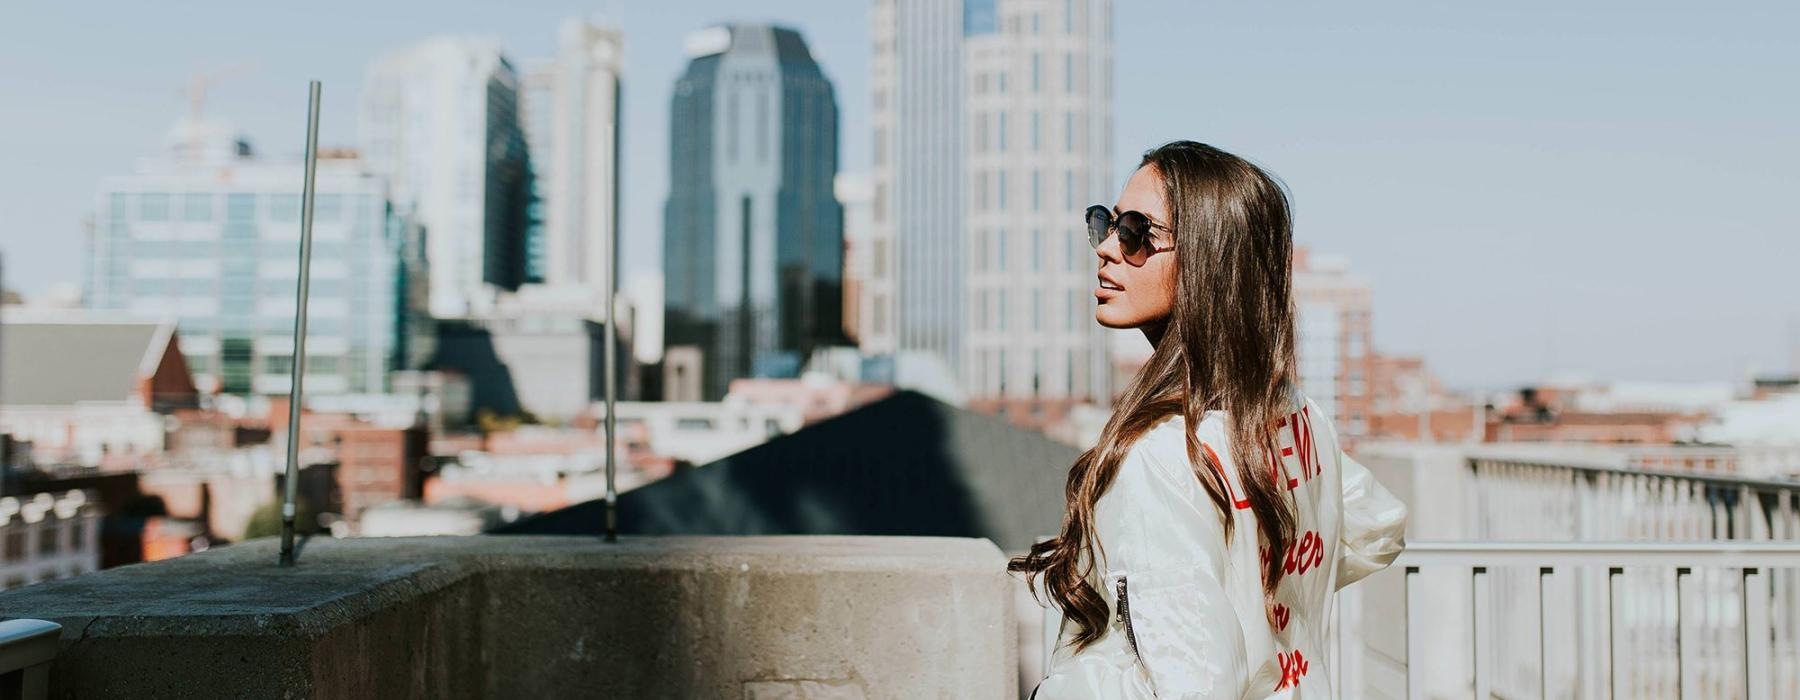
pixel 905 465
pixel 469 349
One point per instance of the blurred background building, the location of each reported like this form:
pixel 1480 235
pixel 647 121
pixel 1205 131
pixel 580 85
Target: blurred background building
pixel 207 234
pixel 753 233
pixel 439 120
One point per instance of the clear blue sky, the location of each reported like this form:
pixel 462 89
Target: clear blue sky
pixel 1529 185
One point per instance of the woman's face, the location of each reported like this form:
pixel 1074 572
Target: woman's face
pixel 1131 296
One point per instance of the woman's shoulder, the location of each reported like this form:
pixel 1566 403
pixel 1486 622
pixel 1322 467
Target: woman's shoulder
pixel 1171 432
pixel 1164 444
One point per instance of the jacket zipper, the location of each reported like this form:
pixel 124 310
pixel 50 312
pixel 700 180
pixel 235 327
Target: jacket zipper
pixel 1125 615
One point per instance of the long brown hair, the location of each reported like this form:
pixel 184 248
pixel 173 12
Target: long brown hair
pixel 1229 345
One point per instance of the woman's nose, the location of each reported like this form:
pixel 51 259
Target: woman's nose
pixel 1109 249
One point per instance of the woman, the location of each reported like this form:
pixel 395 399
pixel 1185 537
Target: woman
pixel 1200 562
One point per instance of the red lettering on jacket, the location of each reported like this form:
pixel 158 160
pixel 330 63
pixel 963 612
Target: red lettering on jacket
pixel 1307 552
pixel 1238 501
pixel 1293 667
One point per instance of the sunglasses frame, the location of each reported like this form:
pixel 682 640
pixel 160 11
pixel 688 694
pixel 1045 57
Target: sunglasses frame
pixel 1135 246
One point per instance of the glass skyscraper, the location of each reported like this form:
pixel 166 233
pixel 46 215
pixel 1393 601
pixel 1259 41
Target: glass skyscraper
pixel 753 234
pixel 209 235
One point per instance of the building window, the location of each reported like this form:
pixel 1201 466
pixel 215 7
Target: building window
pixel 196 207
pixel 1037 250
pixel 153 206
pixel 1037 71
pixel 1070 387
pixel 1069 131
pixel 278 364
pixel 1069 72
pixel 1005 318
pixel 1037 128
pixel 1068 16
pixel 1000 257
pixel 1037 190
pixel 981 135
pixel 1037 313
pixel 1002 373
pixel 1000 81
pixel 284 207
pixel 1071 255
pixel 1069 191
pixel 1036 364
pixel 1000 131
pixel 1037 23
pixel 1000 197
pixel 240 207
pixel 328 207
pixel 325 364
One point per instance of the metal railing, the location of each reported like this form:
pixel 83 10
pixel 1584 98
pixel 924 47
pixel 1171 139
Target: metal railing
pixel 1582 619
pixel 26 649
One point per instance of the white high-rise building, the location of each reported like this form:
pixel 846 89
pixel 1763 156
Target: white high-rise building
pixel 571 116
pixel 439 120
pixel 993 132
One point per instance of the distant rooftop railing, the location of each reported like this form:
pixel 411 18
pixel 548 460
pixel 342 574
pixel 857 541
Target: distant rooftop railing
pixel 1688 619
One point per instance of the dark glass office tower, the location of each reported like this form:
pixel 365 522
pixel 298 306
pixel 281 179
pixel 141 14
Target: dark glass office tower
pixel 753 235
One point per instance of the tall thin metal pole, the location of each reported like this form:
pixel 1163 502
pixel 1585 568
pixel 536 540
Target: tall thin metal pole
pixel 299 365
pixel 610 362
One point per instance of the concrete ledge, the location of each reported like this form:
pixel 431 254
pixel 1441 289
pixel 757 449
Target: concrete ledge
pixel 516 616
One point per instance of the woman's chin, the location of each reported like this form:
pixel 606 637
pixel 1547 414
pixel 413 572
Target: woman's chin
pixel 1115 318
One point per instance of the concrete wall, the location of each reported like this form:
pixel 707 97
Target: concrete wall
pixel 677 617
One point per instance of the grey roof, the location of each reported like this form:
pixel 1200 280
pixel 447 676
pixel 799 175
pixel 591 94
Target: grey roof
pixel 64 363
pixel 905 465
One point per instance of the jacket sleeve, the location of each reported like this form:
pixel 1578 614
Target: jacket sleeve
pixel 1163 564
pixel 1374 529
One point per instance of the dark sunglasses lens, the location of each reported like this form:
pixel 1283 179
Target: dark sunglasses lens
pixel 1134 232
pixel 1099 220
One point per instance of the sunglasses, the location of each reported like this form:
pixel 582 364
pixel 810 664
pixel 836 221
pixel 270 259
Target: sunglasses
pixel 1135 230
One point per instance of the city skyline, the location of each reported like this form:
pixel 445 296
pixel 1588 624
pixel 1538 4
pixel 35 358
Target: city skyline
pixel 1629 136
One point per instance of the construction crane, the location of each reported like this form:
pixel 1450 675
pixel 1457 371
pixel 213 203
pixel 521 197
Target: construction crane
pixel 195 92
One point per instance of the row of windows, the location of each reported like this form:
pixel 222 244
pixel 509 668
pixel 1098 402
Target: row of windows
pixel 993 310
pixel 995 125
pixel 1073 76
pixel 991 248
pixel 1017 23
pixel 995 198
pixel 203 206
pixel 270 364
pixel 992 375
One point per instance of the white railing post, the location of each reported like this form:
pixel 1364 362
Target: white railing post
pixel 1756 634
pixel 26 649
pixel 1687 636
pixel 1415 685
pixel 1544 574
pixel 1482 598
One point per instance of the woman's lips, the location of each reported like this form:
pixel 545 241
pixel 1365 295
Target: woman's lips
pixel 1107 289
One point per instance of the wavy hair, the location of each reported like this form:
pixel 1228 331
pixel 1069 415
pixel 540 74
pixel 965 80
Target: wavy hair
pixel 1229 345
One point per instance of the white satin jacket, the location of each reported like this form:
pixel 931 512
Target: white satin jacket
pixel 1189 618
